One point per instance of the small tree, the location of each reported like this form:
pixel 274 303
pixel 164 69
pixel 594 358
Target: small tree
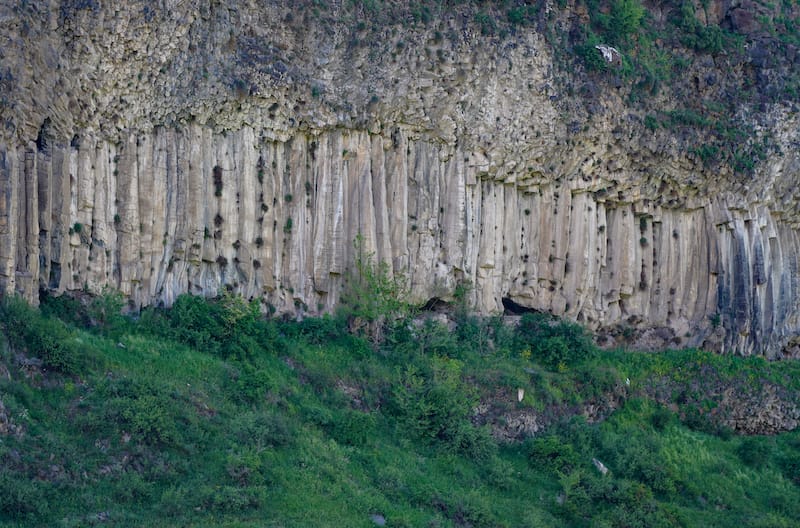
pixel 374 295
pixel 626 18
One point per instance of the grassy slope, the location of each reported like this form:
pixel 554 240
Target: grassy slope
pixel 265 424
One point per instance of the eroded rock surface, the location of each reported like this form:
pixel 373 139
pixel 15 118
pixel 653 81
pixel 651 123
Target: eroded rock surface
pixel 171 147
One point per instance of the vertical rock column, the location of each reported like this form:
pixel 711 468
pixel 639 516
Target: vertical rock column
pixel 9 203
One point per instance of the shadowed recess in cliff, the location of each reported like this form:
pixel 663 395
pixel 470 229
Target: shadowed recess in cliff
pixel 206 146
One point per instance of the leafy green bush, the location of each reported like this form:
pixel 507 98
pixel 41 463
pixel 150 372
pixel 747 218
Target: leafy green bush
pixel 131 487
pixel 262 429
pixel 697 36
pixel 105 311
pixel 755 451
pixel 557 344
pixel 231 499
pixel 696 419
pixel 435 407
pixel 661 418
pixel 552 453
pixel 21 499
pixel 147 417
pixel 229 326
pixel 251 383
pixel 65 307
pixel 353 428
pixel 789 464
pixel 625 19
pixel 246 466
pixel 47 338
pixel 590 55
pixel 432 337
pixel 373 295
pixel 639 458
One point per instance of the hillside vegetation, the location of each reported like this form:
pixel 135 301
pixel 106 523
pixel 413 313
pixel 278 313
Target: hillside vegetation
pixel 207 414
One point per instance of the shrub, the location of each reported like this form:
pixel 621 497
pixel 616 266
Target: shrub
pixel 21 498
pixel 373 295
pixel 556 343
pixel 105 311
pixel 590 56
pixel 432 337
pixel 323 330
pixel 231 499
pixel 245 466
pixel 755 451
pixel 146 416
pixel 624 20
pixel 789 465
pixel 251 384
pixel 435 407
pixel 261 429
pixel 47 338
pixel 66 308
pixel 197 323
pixel 552 453
pixel 639 458
pixel 352 427
pixel 229 326
pixel 661 418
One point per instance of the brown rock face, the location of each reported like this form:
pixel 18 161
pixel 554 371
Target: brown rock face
pixel 743 18
pixel 182 148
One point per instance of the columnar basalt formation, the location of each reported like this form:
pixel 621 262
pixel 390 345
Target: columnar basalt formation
pixel 189 147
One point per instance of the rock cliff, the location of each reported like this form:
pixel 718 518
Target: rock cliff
pixel 181 146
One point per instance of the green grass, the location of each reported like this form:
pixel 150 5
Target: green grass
pixel 158 421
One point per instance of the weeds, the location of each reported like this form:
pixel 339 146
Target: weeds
pixel 211 414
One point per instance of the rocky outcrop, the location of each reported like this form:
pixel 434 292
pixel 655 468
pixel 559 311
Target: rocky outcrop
pixel 183 148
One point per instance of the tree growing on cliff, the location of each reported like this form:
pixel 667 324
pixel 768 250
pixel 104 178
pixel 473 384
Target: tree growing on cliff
pixel 374 295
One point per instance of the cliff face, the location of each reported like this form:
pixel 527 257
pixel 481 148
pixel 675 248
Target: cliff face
pixel 183 146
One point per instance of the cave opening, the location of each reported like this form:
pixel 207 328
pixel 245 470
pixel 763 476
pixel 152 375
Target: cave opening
pixel 512 308
pixel 435 304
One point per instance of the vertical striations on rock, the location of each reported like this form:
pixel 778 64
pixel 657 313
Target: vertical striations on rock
pixel 164 149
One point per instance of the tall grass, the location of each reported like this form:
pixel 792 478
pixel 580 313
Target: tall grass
pixel 269 423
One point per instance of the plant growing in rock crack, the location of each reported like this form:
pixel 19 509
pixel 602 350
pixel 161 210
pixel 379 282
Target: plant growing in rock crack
pixel 374 295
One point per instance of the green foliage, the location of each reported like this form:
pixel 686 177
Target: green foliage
pixel 755 452
pixel 661 418
pixel 589 55
pixel 557 344
pixel 435 406
pixel 262 429
pixel 312 426
pixel 625 19
pixel 105 312
pixel 552 453
pixel 146 417
pixel 707 153
pixel 22 499
pixel 686 117
pixel 374 294
pixel 65 307
pixel 485 22
pixel 229 326
pixel 696 36
pixel 231 499
pixel 46 338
